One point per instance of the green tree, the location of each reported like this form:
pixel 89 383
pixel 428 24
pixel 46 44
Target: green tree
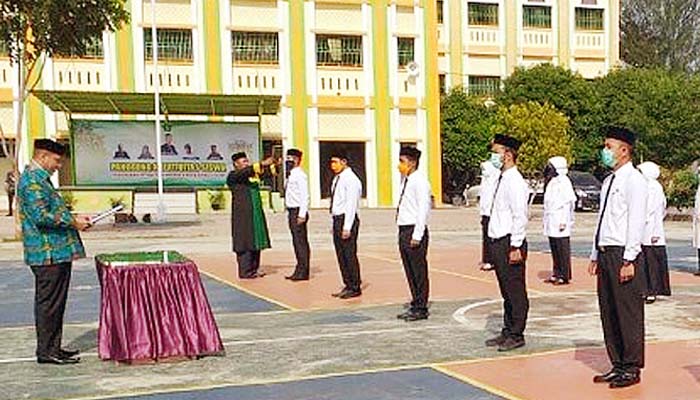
pixel 570 94
pixel 662 107
pixel 32 30
pixel 467 125
pixel 681 188
pixel 661 33
pixel 542 130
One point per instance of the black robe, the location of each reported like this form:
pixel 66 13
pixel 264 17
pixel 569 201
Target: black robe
pixel 248 225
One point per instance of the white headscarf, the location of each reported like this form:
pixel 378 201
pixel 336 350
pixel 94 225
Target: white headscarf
pixel 650 170
pixel 560 164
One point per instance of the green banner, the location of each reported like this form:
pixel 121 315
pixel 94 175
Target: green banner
pixel 123 153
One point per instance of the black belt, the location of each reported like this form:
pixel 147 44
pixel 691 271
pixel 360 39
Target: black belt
pixel 603 249
pixel 292 208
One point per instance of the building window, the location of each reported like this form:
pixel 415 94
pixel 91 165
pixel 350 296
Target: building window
pixel 439 5
pixel 406 51
pixel 442 83
pixel 482 14
pixel 4 50
pixel 589 19
pixel 337 50
pixel 94 48
pixel 589 2
pixel 255 47
pixel 484 85
pixel 173 44
pixel 537 17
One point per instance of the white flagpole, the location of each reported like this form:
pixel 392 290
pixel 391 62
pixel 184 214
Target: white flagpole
pixel 156 91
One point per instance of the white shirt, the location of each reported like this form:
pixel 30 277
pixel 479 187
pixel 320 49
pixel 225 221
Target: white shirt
pixel 346 190
pixel 559 205
pixel 625 214
pixel 414 204
pixel 509 214
pixel 296 194
pixel 656 211
pixel 488 185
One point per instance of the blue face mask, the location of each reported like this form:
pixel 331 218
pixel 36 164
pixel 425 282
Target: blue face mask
pixel 608 158
pixel 496 160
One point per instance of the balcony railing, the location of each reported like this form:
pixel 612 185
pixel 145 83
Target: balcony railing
pixel 484 36
pixel 256 80
pixel 339 82
pixel 171 78
pixel 70 74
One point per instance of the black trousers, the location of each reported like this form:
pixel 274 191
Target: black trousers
pixel 346 252
pixel 50 295
pixel 512 282
pixel 300 240
pixel 621 310
pixel 485 256
pixel 415 264
pixel 561 257
pixel 248 263
pixel 656 270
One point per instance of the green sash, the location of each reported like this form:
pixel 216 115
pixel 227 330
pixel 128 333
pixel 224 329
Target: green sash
pixel 260 236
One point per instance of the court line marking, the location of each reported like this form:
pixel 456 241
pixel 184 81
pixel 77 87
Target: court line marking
pixel 247 291
pixel 477 384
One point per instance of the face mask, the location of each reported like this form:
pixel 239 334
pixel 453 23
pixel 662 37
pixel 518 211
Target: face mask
pixel 496 160
pixel 608 157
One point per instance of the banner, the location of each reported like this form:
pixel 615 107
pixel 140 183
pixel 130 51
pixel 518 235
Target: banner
pixel 122 153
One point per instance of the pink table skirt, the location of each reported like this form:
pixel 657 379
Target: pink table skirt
pixel 153 312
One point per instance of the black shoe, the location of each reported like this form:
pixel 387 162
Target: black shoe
pixel 57 360
pixel 696 273
pixel 560 282
pixel 253 276
pixel 65 353
pixel 416 316
pixel 625 380
pixel 342 292
pixel 511 344
pixel 349 294
pixel 495 341
pixel 608 376
pixel 403 315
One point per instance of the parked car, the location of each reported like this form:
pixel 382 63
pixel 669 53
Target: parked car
pixel 587 188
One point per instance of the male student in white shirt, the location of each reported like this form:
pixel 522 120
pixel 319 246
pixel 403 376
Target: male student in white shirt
pixel 346 192
pixel 507 244
pixel 412 219
pixel 616 259
pixel 654 240
pixel 296 200
pixel 558 218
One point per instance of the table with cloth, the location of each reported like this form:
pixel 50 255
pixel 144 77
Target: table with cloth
pixel 153 307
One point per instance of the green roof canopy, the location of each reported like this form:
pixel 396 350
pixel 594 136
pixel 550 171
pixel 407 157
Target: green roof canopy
pixel 78 102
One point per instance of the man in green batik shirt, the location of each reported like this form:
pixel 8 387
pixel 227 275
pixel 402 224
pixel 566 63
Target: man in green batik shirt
pixel 248 224
pixel 51 243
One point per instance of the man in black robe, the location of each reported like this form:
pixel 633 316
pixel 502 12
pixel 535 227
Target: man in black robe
pixel 248 224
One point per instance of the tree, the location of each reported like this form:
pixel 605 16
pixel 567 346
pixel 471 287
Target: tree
pixel 542 130
pixel 467 125
pixel 661 33
pixel 681 188
pixel 32 30
pixel 662 107
pixel 570 94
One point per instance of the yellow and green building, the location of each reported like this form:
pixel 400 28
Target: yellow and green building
pixel 362 74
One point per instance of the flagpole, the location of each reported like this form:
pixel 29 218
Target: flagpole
pixel 160 216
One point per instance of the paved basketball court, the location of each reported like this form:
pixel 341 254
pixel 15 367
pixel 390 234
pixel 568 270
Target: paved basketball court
pixel 289 340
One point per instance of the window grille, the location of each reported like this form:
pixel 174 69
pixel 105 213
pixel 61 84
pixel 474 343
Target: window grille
pixel 483 14
pixel 406 51
pixel 255 47
pixel 484 85
pixel 537 17
pixel 337 50
pixel 589 19
pixel 173 44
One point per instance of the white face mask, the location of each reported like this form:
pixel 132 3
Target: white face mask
pixel 496 160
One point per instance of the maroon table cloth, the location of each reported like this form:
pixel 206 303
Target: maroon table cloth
pixel 154 311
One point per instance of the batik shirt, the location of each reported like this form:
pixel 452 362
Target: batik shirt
pixel 48 234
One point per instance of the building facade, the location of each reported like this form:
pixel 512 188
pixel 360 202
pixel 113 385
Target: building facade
pixel 482 42
pixel 364 74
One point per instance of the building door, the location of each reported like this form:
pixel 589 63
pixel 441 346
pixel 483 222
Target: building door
pixel 356 160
